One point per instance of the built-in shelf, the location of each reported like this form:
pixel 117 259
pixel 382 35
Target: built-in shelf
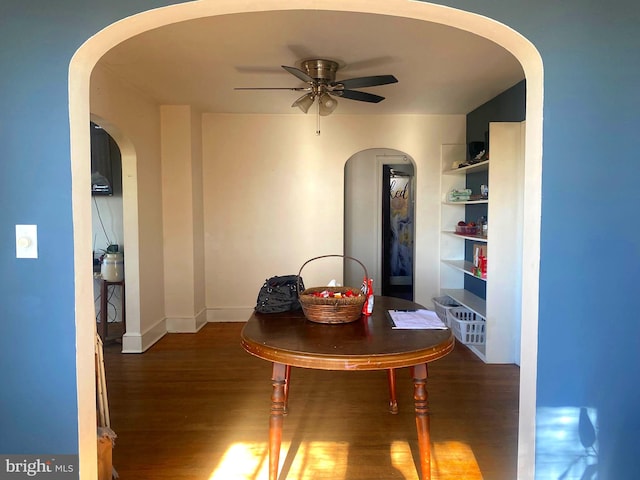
pixel 468 202
pixel 476 167
pixel 463 266
pixel 476 238
pixel 467 299
pixel 502 308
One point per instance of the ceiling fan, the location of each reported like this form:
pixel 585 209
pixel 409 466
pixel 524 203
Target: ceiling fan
pixel 320 77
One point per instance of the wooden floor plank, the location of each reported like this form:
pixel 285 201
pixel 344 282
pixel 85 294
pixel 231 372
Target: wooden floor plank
pixel 196 406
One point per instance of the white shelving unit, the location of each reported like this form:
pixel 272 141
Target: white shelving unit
pixel 501 308
pixel 462 265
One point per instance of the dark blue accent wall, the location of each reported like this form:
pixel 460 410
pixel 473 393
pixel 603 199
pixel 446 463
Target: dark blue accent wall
pixel 509 106
pixel 589 336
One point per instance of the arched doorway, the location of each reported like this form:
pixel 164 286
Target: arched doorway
pixel 368 231
pixel 80 71
pixel 127 203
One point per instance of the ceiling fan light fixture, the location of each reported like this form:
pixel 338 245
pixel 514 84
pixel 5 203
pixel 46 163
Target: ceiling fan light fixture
pixel 319 76
pixel 304 102
pixel 327 104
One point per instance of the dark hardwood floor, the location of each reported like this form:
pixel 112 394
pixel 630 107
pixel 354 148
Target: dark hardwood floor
pixel 196 406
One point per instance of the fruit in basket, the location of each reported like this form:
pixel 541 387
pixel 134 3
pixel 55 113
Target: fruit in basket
pixel 331 294
pixel 462 223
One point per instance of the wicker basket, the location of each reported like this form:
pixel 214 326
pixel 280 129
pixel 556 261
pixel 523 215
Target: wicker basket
pixel 331 310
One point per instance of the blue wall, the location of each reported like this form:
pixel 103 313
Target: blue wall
pixel 38 405
pixel 588 343
pixel 589 335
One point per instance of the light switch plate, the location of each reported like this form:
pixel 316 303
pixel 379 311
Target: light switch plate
pixel 26 241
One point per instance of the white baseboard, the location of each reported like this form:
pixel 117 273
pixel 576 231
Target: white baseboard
pixel 233 314
pixel 187 324
pixel 139 343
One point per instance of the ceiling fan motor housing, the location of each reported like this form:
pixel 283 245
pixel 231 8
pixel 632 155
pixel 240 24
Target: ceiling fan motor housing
pixel 319 69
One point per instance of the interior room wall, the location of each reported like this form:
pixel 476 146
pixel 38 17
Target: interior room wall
pixel 136 120
pixel 590 129
pixel 182 218
pixel 197 193
pixel 274 196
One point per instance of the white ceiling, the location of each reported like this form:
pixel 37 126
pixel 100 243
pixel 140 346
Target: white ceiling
pixel 440 69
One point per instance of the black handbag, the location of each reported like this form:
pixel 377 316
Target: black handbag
pixel 279 294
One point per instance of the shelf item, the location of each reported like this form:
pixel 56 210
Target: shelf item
pixel 463 266
pixel 470 230
pixel 459 195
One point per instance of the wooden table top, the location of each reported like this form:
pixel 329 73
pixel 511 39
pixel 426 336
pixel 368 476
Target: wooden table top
pixel 366 344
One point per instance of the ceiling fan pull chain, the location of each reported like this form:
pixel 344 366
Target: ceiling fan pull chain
pixel 318 118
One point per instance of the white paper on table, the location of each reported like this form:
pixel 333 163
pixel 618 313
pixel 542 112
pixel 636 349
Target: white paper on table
pixel 416 319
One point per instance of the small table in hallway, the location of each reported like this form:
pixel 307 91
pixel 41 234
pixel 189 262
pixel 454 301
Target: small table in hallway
pixel 104 304
pixel 290 340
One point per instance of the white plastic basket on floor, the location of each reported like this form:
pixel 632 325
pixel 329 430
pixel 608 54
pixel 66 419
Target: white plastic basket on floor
pixel 443 304
pixel 468 327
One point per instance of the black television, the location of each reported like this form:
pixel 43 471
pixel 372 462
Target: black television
pixel 105 161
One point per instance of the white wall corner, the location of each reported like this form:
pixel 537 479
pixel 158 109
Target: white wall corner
pixel 187 324
pixel 234 314
pixel 139 343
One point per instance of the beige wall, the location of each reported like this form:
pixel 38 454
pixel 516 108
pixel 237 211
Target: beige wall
pixel 199 295
pixel 274 194
pixel 132 119
pixel 181 147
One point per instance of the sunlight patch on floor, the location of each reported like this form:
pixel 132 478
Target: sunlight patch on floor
pixel 250 461
pixel 314 460
pixel 402 459
pixel 454 460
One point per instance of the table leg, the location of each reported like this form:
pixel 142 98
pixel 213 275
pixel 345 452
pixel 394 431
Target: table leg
pixel 393 402
pixel 422 418
pixel 287 381
pixel 278 405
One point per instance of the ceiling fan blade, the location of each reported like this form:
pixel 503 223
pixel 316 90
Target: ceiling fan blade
pixel 361 82
pixel 295 89
pixel 356 95
pixel 298 73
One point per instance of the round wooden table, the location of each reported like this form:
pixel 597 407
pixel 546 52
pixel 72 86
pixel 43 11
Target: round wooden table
pixel 289 339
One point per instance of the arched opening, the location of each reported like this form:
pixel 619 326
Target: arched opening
pixel 81 67
pixel 129 218
pixel 365 212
